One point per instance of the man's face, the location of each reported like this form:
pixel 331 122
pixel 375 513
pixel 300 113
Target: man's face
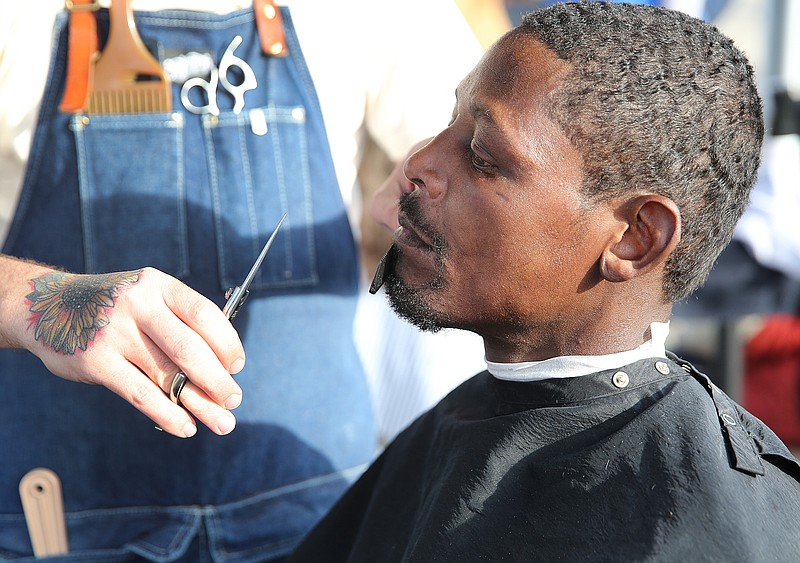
pixel 496 237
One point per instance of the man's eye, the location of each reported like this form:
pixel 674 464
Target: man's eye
pixel 478 163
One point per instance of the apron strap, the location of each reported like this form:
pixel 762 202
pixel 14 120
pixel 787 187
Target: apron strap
pixel 82 50
pixel 270 28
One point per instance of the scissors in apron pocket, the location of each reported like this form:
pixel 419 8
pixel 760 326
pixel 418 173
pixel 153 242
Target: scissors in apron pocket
pixel 228 62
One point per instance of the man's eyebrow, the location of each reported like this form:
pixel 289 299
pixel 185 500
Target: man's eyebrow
pixel 483 115
pixel 477 110
pixel 481 112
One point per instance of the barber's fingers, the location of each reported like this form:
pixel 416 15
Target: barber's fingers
pixel 385 201
pixel 218 419
pixel 144 394
pixel 156 366
pixel 189 353
pixel 194 335
pixel 384 204
pixel 207 320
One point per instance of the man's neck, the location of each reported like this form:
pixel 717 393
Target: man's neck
pixel 578 365
pixel 592 338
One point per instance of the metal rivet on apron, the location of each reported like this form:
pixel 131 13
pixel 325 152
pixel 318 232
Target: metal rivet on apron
pixel 662 367
pixel 213 120
pixel 620 379
pixel 177 117
pixel 276 49
pixel 85 120
pixel 269 11
pixel 299 114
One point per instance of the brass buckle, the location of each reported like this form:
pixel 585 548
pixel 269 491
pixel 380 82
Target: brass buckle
pixel 71 6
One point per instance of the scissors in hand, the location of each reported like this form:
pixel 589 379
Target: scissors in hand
pixel 209 87
pixel 236 295
pixel 235 298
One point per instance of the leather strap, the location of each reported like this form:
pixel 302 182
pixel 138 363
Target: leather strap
pixel 270 28
pixel 81 51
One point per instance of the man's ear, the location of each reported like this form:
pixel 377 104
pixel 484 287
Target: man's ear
pixel 651 229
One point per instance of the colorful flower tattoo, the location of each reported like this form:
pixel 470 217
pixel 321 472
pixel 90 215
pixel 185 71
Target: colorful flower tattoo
pixel 69 310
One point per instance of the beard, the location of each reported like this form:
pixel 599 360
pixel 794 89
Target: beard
pixel 414 304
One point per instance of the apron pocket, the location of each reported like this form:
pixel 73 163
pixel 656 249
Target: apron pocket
pixel 258 163
pixel 133 210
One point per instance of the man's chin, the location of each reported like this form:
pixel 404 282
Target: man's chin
pixel 411 303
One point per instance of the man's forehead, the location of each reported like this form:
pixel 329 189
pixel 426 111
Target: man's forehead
pixel 516 66
pixel 516 76
pixel 508 97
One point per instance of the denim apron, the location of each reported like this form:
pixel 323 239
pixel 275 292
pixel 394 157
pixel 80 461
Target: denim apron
pixel 195 196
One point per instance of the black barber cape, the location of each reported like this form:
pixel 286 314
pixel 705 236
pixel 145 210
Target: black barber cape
pixel 647 463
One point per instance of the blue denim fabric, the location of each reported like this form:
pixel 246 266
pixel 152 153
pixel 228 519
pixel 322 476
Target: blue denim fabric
pixel 196 198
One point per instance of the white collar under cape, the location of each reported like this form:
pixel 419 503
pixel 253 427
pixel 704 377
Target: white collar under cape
pixel 574 366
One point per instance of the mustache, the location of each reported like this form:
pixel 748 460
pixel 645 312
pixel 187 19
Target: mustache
pixel 410 206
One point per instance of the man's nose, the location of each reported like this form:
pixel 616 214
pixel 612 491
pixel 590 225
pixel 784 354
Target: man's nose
pixel 423 169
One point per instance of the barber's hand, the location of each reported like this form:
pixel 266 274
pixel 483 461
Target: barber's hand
pixel 385 203
pixel 132 332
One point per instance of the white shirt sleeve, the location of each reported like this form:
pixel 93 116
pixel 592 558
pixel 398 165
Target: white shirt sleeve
pixel 25 38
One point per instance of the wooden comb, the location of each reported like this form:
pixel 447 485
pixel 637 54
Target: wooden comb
pixel 125 78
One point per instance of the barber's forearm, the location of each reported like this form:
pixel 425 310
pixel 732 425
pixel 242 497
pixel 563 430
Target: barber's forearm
pixel 15 286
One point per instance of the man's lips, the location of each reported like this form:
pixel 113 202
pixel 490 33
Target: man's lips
pixel 408 235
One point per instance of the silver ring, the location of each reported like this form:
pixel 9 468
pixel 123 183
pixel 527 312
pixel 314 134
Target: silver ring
pixel 178 383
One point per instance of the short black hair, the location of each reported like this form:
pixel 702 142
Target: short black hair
pixel 661 102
